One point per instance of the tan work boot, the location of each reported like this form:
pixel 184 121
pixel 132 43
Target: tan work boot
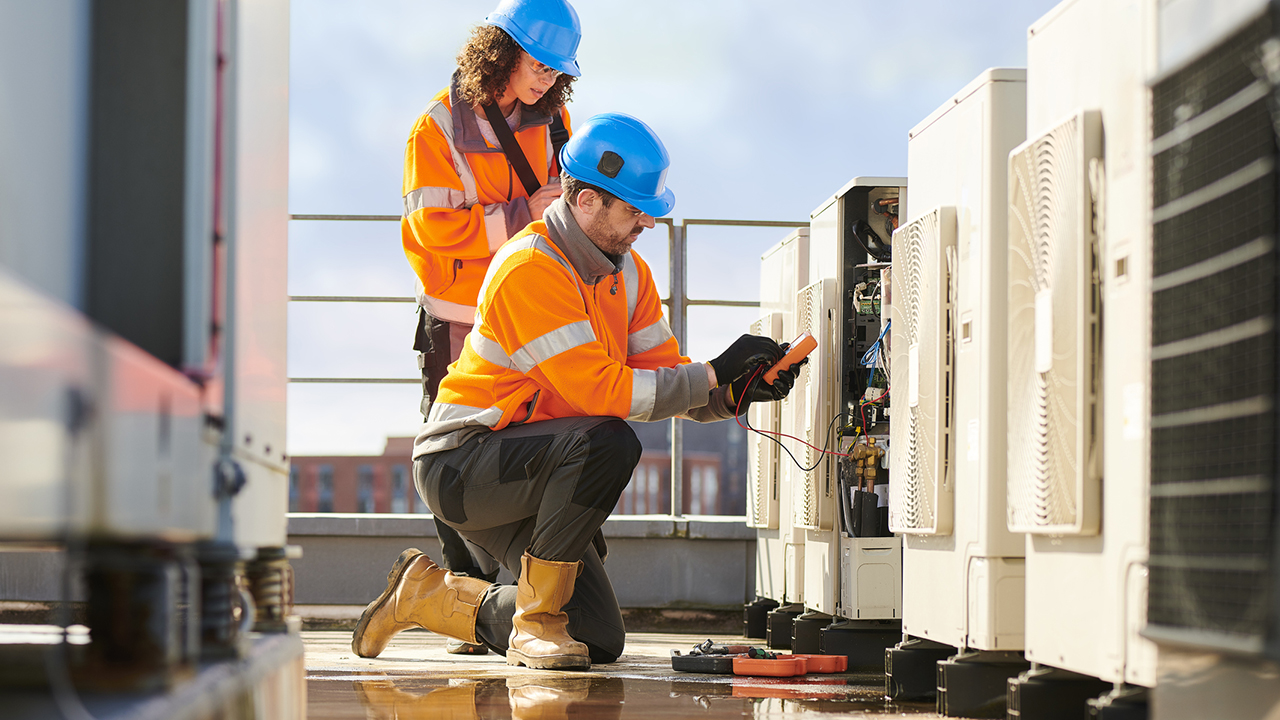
pixel 419 594
pixel 384 701
pixel 548 697
pixel 539 633
pixel 466 700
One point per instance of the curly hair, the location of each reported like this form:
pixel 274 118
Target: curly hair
pixel 486 63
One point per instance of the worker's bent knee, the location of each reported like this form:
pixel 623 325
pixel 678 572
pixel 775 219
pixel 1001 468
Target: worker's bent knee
pixel 613 450
pixel 601 656
pixel 604 642
pixel 615 439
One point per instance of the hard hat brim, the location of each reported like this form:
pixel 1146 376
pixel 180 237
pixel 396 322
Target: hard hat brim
pixel 561 63
pixel 656 206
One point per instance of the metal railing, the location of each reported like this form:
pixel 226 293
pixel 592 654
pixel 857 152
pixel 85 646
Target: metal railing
pixel 678 303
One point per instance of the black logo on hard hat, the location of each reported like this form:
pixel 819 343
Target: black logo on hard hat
pixel 610 164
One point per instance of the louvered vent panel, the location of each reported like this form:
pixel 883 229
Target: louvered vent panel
pixel 1053 471
pixel 814 496
pixel 762 459
pixel 920 498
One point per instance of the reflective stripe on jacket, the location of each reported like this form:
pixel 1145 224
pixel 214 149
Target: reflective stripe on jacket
pixel 549 343
pixel 462 200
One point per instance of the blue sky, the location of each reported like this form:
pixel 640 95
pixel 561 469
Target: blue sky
pixel 767 108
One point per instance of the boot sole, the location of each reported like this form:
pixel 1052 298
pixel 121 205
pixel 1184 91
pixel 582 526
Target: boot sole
pixel 393 577
pixel 456 647
pixel 549 662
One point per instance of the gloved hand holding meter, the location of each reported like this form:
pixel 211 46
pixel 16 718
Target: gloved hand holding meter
pixel 739 362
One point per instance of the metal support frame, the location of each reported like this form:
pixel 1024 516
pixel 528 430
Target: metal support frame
pixel 678 309
pixel 678 304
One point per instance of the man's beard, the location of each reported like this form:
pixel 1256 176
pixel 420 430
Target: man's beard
pixel 609 241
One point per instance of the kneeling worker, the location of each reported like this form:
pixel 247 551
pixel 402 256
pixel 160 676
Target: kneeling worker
pixel 525 451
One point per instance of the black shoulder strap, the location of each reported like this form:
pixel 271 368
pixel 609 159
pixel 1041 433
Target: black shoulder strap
pixel 559 136
pixel 511 149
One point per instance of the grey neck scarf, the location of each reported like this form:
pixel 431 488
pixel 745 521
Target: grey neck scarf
pixel 591 263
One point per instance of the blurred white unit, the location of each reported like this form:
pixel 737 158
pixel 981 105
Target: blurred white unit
pixel 1086 566
pixel 45 69
pixel 1054 445
pixel 964 587
pixel 110 298
pixel 784 270
pixel 814 503
pixel 102 434
pixel 46 368
pixel 921 494
pixel 96 436
pixel 142 267
pixel 258 226
pixel 762 461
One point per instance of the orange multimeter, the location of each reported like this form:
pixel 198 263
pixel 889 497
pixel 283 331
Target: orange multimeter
pixel 799 350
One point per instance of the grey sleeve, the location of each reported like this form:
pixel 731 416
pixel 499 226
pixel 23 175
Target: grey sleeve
pixel 675 391
pixel 717 407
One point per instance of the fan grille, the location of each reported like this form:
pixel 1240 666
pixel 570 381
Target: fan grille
pixel 815 492
pixel 921 361
pixel 763 467
pixel 1214 349
pixel 1053 332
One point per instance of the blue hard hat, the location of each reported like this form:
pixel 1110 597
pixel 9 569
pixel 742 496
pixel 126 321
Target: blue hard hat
pixel 547 29
pixel 620 154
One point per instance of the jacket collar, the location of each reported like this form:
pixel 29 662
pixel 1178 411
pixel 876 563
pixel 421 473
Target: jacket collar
pixel 590 262
pixel 466 129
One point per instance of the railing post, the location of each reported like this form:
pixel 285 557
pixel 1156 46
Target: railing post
pixel 679 295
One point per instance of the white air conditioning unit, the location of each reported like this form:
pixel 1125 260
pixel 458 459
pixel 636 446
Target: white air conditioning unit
pixel 856 578
pixel 816 314
pixel 762 458
pixel 962 583
pixel 1086 563
pixel 1214 347
pixel 143 365
pixel 920 496
pixel 784 269
pixel 815 490
pixel 1054 445
pixel 97 437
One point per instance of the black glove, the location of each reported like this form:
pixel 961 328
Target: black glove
pixel 761 391
pixel 743 354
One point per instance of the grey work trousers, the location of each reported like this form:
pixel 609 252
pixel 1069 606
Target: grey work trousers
pixel 546 488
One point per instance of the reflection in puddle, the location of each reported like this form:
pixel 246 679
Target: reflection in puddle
pixel 562 696
pixel 520 698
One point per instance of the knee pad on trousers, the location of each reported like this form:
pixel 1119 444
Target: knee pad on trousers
pixel 613 451
pixel 621 439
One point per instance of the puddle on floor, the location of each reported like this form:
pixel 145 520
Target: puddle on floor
pixel 564 695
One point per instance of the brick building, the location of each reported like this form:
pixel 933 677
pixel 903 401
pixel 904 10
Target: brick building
pixel 355 484
pixel 384 483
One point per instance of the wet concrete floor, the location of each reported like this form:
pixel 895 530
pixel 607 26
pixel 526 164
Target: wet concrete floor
pixel 415 678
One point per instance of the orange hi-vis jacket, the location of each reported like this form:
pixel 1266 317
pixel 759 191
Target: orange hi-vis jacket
pixel 564 330
pixel 462 200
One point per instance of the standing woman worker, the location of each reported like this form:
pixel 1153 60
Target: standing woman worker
pixel 480 166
